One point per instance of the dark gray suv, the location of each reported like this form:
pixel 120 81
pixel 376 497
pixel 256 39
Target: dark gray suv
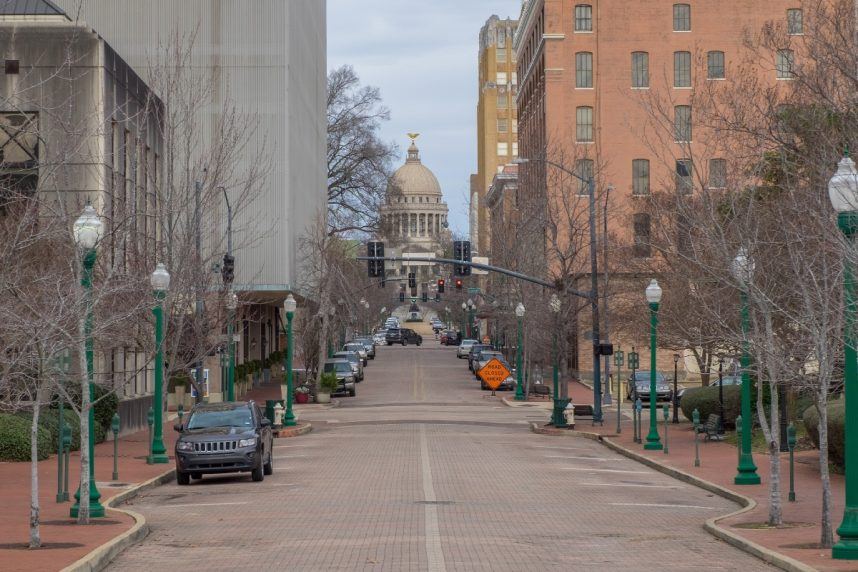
pixel 224 438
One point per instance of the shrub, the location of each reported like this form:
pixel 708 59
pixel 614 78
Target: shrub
pixel 705 400
pixel 836 430
pixel 329 382
pixel 15 439
pixel 50 421
pixel 105 407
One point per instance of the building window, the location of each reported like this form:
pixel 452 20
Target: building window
pixel 502 101
pixel 12 67
pixel 500 55
pixel 717 173
pixel 502 78
pixel 682 123
pixel 715 65
pixel 515 149
pixel 503 149
pixel 514 78
pixel 795 23
pixel 684 174
pixel 641 225
pixel 640 69
pixel 583 18
pixel 503 125
pixel 784 64
pixel 515 125
pixel 501 36
pixel 640 177
pixel 681 69
pixel 681 18
pixel 584 69
pixel 584 124
pixel 584 168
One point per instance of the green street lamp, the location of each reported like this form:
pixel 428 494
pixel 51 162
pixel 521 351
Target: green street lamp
pixel 231 306
pixel 87 230
pixel 289 306
pixel 519 385
pixel 743 271
pixel 843 192
pixel 653 298
pixel 366 319
pixel 472 331
pixel 559 404
pixel 160 280
pixel 465 332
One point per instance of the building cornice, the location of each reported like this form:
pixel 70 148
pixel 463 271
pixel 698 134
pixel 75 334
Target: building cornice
pixel 524 22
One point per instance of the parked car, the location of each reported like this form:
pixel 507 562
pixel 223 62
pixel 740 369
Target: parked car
pixel 475 352
pixel 450 338
pixel 464 348
pixel 483 357
pixel 359 349
pixel 508 383
pixel 224 438
pixel 409 336
pixel 345 375
pixel 368 344
pixel 726 381
pixel 355 360
pixel 639 386
pixel 378 338
pixel 394 336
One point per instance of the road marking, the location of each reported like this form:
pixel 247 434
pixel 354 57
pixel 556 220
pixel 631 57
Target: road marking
pixel 197 505
pixel 433 534
pixel 629 485
pixel 603 459
pixel 604 470
pixel 663 505
pixel 288 457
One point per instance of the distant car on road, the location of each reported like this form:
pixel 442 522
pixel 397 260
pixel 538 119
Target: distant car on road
pixel 474 353
pixel 639 386
pixel 359 349
pixel 483 357
pixel 355 360
pixel 345 375
pixel 464 348
pixel 378 338
pixel 409 336
pixel 368 344
pixel 394 336
pixel 224 438
pixel 726 381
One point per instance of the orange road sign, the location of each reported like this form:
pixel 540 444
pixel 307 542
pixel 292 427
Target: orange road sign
pixel 494 373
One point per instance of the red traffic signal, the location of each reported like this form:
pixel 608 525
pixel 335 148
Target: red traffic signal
pixel 458 283
pixel 440 285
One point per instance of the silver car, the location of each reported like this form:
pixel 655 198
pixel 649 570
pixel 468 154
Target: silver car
pixel 464 348
pixel 359 349
pixel 354 359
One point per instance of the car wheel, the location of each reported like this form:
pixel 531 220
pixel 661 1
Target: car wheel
pixel 390 343
pixel 196 476
pixel 419 342
pixel 182 477
pixel 365 363
pixel 352 392
pixel 268 468
pixel 404 342
pixel 258 473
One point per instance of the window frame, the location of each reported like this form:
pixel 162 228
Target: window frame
pixel 583 72
pixel 640 174
pixel 679 71
pixel 680 18
pixel 721 171
pixel 502 121
pixel 636 73
pixel 682 133
pixel 505 152
pixel 788 72
pixel 709 66
pixel 579 124
pixel 791 21
pixel 585 169
pixel 684 184
pixel 640 249
pixel 588 19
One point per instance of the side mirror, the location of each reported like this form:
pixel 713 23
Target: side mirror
pixel 266 422
pixel 178 427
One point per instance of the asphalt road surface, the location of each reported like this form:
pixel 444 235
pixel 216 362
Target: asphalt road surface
pixel 424 471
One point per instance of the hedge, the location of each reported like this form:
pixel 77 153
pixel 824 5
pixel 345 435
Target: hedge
pixel 706 401
pixel 836 430
pixel 15 439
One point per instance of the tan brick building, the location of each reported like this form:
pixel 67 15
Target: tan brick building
pixel 589 72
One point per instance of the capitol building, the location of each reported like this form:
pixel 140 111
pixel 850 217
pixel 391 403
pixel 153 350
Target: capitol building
pixel 414 217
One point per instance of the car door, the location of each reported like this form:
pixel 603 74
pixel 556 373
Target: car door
pixel 265 435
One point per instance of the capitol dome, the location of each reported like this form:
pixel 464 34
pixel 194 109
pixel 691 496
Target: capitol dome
pixel 415 179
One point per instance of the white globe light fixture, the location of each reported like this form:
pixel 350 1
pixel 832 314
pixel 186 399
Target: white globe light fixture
pixel 519 310
pixel 843 186
pixel 160 278
pixel 289 304
pixel 232 301
pixel 554 303
pixel 743 267
pixel 653 292
pixel 464 305
pixel 88 229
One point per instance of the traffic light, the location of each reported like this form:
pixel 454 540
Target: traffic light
pixel 462 251
pixel 412 280
pixel 425 296
pixel 228 269
pixel 375 267
pixel 458 283
pixel 440 285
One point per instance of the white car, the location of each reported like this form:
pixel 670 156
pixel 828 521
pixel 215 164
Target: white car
pixel 378 339
pixel 464 348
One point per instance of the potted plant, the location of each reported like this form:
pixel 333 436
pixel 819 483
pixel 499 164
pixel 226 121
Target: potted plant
pixel 302 394
pixel 327 385
pixel 178 385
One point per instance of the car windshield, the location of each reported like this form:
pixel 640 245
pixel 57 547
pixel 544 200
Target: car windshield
pixel 338 367
pixel 486 355
pixel 466 343
pixel 351 356
pixel 393 331
pixel 731 380
pixel 354 347
pixel 642 377
pixel 227 417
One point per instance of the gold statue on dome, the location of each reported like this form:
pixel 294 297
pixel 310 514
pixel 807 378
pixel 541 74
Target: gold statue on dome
pixel 413 136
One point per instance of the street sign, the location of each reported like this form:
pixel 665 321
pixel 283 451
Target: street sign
pixel 634 361
pixel 494 373
pixel 473 290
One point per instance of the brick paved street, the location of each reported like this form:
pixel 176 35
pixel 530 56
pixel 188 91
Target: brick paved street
pixel 423 471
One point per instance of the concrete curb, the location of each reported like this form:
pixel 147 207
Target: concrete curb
pixel 301 429
pixel 711 525
pixel 99 558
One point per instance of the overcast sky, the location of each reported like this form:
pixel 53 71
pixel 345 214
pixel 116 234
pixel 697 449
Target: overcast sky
pixel 422 54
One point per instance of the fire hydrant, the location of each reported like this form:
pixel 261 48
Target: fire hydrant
pixel 278 415
pixel 569 412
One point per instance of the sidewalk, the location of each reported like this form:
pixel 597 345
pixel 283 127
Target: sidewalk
pixel 799 536
pixel 63 541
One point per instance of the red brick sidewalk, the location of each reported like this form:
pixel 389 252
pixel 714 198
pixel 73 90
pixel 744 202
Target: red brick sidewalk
pixel 718 465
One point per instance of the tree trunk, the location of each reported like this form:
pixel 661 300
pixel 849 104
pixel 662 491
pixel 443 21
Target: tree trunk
pixel 775 507
pixel 826 537
pixel 35 534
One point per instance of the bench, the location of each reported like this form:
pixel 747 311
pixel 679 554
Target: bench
pixel 710 428
pixel 541 390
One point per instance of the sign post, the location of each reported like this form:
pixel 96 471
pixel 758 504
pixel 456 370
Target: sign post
pixel 494 373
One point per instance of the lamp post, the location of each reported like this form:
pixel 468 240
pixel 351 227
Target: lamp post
pixel 289 306
pixel 653 297
pixel 559 404
pixel 743 271
pixel 519 385
pixel 676 358
pixel 464 309
pixel 231 306
pixel 160 280
pixel 362 305
pixel 87 232
pixel 843 192
pixel 471 328
pixel 366 320
pixel 721 395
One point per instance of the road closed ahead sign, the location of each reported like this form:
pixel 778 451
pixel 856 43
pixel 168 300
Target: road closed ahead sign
pixel 493 373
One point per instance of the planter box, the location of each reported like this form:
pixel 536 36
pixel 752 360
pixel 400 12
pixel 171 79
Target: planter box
pixel 323 397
